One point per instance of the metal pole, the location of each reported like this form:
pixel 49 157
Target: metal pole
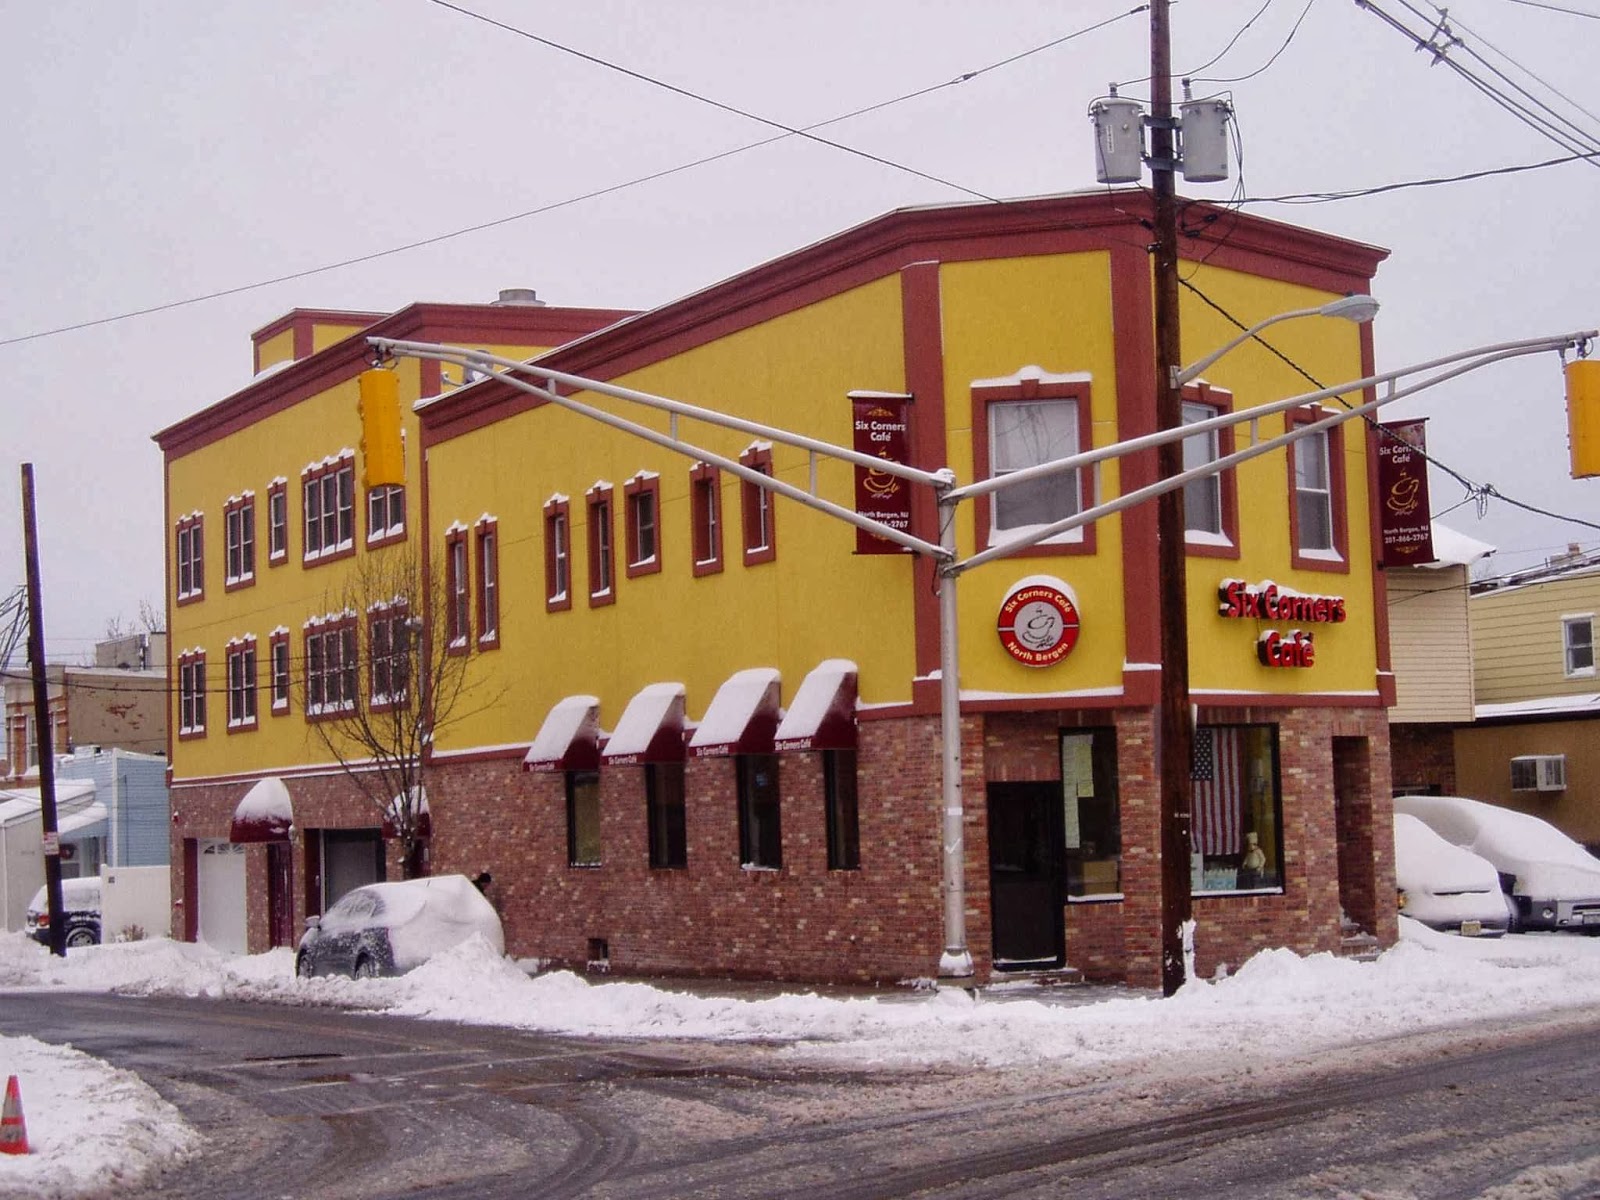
pixel 956 962
pixel 41 721
pixel 1175 725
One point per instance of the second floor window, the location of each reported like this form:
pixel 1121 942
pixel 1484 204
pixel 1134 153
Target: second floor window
pixel 279 650
pixel 705 512
pixel 1202 498
pixel 602 562
pixel 756 506
pixel 191 558
pixel 277 521
pixel 240 530
pixel 1026 434
pixel 1313 492
pixel 458 610
pixel 389 640
pixel 643 495
pixel 487 539
pixel 329 493
pixel 386 514
pixel 557 555
pixel 1577 635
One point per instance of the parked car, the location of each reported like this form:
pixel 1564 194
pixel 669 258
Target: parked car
pixel 81 900
pixel 1553 882
pixel 1444 886
pixel 389 928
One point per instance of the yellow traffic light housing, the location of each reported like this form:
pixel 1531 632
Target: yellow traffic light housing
pixel 1583 416
pixel 383 460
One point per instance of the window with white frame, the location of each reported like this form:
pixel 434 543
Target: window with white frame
pixel 1577 639
pixel 1026 433
pixel 486 542
pixel 602 556
pixel 239 528
pixel 329 494
pixel 277 521
pixel 242 684
pixel 1202 498
pixel 705 514
pixel 389 656
pixel 191 558
pixel 557 555
pixel 191 694
pixel 755 504
pixel 643 495
pixel 1313 492
pixel 278 648
pixel 386 513
pixel 330 666
pixel 458 607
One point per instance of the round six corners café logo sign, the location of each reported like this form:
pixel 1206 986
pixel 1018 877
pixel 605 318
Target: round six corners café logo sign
pixel 1038 621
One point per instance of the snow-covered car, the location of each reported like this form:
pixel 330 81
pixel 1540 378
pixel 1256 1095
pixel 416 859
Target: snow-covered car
pixel 80 898
pixel 1553 882
pixel 1445 886
pixel 389 928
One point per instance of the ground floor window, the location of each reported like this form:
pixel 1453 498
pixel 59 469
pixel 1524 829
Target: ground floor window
pixel 1237 836
pixel 839 796
pixel 760 837
pixel 583 818
pixel 663 789
pixel 1093 818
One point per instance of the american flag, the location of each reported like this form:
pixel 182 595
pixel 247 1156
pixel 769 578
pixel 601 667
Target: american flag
pixel 1218 791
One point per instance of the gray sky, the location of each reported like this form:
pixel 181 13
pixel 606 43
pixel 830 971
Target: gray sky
pixel 162 150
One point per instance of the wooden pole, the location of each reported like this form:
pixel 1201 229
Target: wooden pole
pixel 41 722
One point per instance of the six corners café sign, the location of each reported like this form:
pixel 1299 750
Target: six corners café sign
pixel 1266 601
pixel 1038 621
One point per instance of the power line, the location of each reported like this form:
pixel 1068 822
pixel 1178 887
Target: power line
pixel 1571 12
pixel 1432 181
pixel 570 201
pixel 1294 29
pixel 1480 493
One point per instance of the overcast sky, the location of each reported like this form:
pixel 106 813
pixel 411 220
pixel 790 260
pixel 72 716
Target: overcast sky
pixel 159 151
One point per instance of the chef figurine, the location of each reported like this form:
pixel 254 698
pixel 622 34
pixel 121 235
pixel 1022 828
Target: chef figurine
pixel 1255 860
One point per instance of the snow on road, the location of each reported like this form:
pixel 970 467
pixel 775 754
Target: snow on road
pixel 93 1126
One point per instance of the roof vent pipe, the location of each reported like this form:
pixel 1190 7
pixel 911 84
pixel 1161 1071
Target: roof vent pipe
pixel 525 296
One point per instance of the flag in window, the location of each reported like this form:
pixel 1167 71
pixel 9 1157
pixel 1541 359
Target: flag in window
pixel 1218 771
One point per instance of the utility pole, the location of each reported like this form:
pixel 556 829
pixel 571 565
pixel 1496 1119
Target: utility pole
pixel 41 722
pixel 1175 724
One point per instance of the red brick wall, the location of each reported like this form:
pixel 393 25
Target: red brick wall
pixel 1424 757
pixel 884 922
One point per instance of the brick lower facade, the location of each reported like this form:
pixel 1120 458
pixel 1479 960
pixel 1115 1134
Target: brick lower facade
pixel 883 922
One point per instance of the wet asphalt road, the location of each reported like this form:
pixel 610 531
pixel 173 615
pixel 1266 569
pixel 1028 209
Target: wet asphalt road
pixel 312 1102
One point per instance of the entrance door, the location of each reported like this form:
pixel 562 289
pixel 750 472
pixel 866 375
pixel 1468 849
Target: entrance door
pixel 280 892
pixel 351 858
pixel 1025 870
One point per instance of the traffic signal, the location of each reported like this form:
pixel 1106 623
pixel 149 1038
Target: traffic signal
pixel 1583 416
pixel 383 460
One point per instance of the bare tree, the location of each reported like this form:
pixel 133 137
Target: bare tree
pixel 380 684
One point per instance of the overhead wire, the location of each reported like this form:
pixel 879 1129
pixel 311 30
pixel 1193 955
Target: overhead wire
pixel 593 194
pixel 1480 494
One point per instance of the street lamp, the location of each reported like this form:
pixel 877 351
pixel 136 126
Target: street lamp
pixel 1357 308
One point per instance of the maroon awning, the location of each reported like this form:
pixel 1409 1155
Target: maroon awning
pixel 264 815
pixel 823 715
pixel 743 716
pixel 651 729
pixel 569 739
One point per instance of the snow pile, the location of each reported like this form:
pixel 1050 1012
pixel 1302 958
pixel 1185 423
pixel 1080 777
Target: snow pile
pixel 91 1127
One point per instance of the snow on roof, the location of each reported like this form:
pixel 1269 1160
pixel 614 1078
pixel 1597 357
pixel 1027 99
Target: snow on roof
pixel 17 804
pixel 1578 705
pixel 267 799
pixel 1454 549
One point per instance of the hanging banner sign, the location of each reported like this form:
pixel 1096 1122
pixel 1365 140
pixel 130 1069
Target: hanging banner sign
pixel 881 430
pixel 1404 513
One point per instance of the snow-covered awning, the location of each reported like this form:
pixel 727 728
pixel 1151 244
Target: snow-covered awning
pixel 569 739
pixel 651 729
pixel 823 714
pixel 86 822
pixel 421 815
pixel 743 716
pixel 264 815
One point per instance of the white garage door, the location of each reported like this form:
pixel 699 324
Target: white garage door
pixel 222 896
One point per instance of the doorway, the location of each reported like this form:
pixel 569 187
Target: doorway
pixel 280 893
pixel 1025 876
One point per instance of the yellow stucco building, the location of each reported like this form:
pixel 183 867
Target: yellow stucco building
pixel 705 737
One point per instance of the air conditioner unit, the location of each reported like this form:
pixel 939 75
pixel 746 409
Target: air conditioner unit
pixel 1539 773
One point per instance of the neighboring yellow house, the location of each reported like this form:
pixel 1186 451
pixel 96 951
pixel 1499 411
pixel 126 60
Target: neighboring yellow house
pixel 267 522
pixel 1533 745
pixel 709 735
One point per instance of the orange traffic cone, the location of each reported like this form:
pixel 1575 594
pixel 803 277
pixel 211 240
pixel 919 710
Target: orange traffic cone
pixel 13 1129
